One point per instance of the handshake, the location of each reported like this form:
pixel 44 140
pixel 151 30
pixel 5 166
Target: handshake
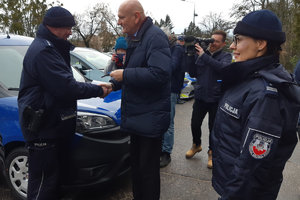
pixel 108 87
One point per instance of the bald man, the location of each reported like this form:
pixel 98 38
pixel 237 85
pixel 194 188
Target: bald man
pixel 145 107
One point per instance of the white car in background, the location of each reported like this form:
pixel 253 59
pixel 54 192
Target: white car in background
pixel 187 91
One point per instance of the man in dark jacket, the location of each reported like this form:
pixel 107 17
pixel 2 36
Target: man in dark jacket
pixel 47 103
pixel 145 106
pixel 206 69
pixel 177 56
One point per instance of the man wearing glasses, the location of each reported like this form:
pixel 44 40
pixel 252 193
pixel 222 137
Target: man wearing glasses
pixel 206 68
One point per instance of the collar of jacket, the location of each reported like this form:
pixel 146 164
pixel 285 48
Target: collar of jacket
pixel 216 52
pixel 63 46
pixel 134 40
pixel 44 32
pixel 240 71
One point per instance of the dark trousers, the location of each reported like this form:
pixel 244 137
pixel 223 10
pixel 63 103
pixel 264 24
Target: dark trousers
pixel 200 109
pixel 145 157
pixel 47 166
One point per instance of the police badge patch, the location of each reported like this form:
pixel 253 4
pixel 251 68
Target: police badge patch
pixel 260 146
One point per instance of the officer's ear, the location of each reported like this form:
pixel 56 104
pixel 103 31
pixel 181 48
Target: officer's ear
pixel 261 45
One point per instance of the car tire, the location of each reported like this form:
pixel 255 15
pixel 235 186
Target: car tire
pixel 16 172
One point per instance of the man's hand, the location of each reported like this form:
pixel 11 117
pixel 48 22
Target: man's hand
pixel 117 74
pixel 199 49
pixel 107 88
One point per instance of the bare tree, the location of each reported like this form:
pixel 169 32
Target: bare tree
pixel 239 10
pixel 89 24
pixel 214 21
pixel 111 22
pixel 97 22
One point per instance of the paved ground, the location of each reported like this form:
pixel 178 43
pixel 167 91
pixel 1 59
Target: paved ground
pixel 183 179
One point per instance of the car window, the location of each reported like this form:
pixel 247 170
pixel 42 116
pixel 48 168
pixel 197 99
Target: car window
pixel 76 61
pixel 11 58
pixel 97 59
pixel 78 77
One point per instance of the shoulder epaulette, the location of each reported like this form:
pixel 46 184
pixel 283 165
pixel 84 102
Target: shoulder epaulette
pixel 48 43
pixel 270 89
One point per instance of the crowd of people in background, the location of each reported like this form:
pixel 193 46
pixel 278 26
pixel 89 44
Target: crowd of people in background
pixel 252 103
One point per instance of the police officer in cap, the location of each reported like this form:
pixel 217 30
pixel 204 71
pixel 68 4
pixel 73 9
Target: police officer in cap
pixel 255 127
pixel 47 103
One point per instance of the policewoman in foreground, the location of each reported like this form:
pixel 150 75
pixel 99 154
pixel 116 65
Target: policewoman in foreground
pixel 255 127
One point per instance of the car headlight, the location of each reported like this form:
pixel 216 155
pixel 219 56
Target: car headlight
pixel 90 122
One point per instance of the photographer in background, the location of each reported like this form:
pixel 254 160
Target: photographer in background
pixel 206 69
pixel 118 58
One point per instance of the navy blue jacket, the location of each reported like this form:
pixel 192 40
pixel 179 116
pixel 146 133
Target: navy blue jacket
pixel 177 64
pixel 255 129
pixel 146 88
pixel 47 83
pixel 207 69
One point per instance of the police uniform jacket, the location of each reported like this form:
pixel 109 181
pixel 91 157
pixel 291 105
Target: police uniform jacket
pixel 255 129
pixel 47 83
pixel 145 105
pixel 207 70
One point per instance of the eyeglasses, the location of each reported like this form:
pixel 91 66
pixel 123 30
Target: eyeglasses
pixel 236 39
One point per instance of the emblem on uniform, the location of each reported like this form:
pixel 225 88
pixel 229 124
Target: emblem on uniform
pixel 260 146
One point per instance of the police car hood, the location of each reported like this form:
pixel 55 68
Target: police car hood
pixel 110 105
pixel 283 81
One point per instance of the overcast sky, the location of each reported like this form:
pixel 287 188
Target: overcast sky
pixel 180 12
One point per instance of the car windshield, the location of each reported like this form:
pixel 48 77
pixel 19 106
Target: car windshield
pixel 11 65
pixel 96 58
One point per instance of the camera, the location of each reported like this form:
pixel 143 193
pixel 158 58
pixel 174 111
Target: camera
pixel 190 42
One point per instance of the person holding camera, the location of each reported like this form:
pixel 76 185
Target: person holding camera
pixel 118 58
pixel 254 133
pixel 47 104
pixel 206 66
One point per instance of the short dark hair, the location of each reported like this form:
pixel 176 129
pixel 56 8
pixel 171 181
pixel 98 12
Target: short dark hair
pixel 220 32
pixel 273 48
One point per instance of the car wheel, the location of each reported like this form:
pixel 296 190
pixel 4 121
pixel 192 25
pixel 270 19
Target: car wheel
pixel 16 164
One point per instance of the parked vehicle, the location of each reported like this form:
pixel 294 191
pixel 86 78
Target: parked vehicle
pixel 187 91
pixel 100 152
pixel 90 62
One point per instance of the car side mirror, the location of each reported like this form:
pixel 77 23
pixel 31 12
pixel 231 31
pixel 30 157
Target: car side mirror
pixel 79 68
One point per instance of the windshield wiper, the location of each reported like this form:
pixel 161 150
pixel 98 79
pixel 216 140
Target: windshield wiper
pixel 14 89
